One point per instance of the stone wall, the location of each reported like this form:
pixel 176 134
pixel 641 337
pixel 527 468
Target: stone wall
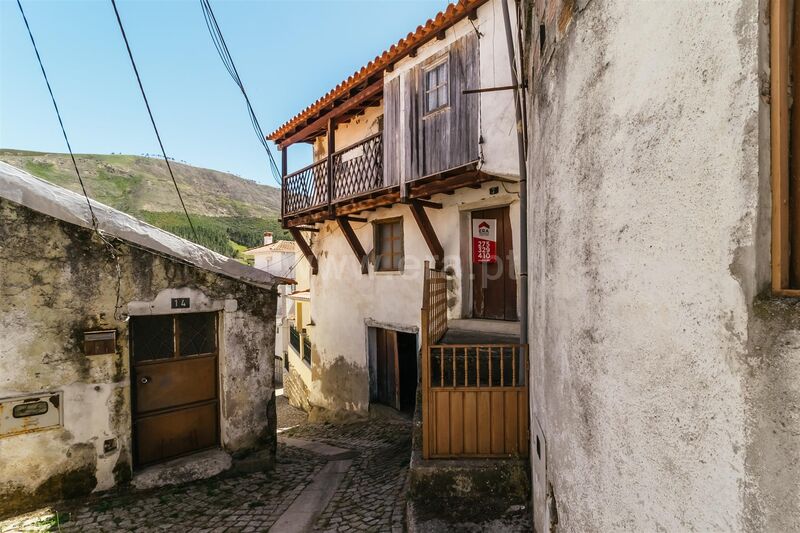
pixel 666 388
pixel 58 280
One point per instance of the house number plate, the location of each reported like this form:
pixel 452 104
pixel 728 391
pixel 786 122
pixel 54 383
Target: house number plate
pixel 181 303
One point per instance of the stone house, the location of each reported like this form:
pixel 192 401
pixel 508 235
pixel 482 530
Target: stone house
pixel 665 363
pixel 409 153
pixel 123 351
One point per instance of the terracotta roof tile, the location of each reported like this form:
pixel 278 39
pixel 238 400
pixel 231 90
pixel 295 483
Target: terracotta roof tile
pixel 444 19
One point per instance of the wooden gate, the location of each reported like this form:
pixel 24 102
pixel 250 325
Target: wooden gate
pixel 474 396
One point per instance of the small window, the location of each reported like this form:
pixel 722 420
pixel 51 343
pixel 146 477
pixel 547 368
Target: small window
pixel 153 338
pixel 389 245
pixel 167 336
pixel 436 87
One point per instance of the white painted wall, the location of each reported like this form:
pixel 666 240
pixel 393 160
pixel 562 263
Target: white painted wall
pixel 345 302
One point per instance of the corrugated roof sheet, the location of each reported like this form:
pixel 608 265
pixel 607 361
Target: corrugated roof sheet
pixel 444 19
pixel 39 195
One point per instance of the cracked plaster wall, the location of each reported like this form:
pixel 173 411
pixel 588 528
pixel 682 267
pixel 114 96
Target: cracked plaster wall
pixel 58 280
pixel 666 387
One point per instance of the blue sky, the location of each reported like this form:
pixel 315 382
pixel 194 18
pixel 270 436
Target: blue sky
pixel 288 53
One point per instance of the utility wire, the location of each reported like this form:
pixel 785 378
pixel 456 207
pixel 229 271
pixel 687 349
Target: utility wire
pixel 227 60
pixel 112 251
pixel 58 114
pixel 152 120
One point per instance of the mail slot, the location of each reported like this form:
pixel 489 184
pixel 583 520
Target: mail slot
pixel 26 414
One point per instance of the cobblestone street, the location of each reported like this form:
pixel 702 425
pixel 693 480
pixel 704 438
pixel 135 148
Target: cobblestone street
pixel 369 497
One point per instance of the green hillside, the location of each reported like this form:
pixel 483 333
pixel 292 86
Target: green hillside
pixel 230 213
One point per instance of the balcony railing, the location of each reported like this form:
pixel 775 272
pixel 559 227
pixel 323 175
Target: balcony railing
pixel 357 169
pixel 294 338
pixel 307 349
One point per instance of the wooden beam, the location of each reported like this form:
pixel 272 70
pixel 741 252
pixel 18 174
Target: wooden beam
pixel 473 15
pixel 428 233
pixel 440 36
pixel 319 124
pixel 355 244
pixel 779 118
pixel 432 205
pixel 308 228
pixel 357 219
pixel 305 248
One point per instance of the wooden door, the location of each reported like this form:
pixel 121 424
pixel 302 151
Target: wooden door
pixel 388 367
pixel 494 287
pixel 174 385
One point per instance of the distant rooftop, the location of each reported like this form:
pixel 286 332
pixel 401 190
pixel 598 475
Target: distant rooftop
pixel 42 196
pixel 277 246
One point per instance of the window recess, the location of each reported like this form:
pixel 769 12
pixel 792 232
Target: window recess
pixel 389 245
pixel 436 87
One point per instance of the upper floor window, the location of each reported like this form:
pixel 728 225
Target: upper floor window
pixel 436 92
pixel 389 245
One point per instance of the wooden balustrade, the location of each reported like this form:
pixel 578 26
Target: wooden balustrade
pixel 306 188
pixel 357 170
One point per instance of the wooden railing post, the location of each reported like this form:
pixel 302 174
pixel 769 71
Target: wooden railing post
pixel 331 151
pixel 284 166
pixel 425 364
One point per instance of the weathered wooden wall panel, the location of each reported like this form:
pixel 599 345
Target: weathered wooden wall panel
pixel 417 145
pixel 392 133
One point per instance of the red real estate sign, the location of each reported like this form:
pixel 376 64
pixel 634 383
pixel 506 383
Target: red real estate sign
pixel 484 240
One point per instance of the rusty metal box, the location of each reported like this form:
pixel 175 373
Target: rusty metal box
pixel 25 414
pixel 100 342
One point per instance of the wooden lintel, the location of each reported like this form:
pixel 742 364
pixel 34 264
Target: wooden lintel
pixel 321 122
pixel 355 244
pixel 357 219
pixel 425 226
pixel 426 203
pixel 305 248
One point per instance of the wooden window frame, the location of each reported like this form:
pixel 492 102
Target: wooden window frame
pixel 780 125
pixel 378 241
pixel 444 62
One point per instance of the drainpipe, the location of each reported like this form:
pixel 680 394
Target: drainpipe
pixel 523 181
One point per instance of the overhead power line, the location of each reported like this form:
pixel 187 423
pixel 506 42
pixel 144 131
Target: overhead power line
pixel 58 114
pixel 152 120
pixel 227 60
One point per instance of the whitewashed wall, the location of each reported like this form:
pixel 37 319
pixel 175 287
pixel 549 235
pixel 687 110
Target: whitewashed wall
pixel 345 302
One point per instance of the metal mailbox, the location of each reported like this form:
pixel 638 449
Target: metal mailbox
pixel 25 414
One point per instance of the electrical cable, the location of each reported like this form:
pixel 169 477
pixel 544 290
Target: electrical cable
pixel 95 226
pixel 152 120
pixel 227 60
pixel 58 114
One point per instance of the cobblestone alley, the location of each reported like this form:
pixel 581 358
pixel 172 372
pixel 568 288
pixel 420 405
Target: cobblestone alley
pixel 369 494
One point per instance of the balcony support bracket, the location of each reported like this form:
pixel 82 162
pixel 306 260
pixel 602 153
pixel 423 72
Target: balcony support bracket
pixel 425 226
pixel 355 244
pixel 305 248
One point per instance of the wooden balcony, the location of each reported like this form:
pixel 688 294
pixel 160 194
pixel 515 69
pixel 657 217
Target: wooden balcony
pixel 349 173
